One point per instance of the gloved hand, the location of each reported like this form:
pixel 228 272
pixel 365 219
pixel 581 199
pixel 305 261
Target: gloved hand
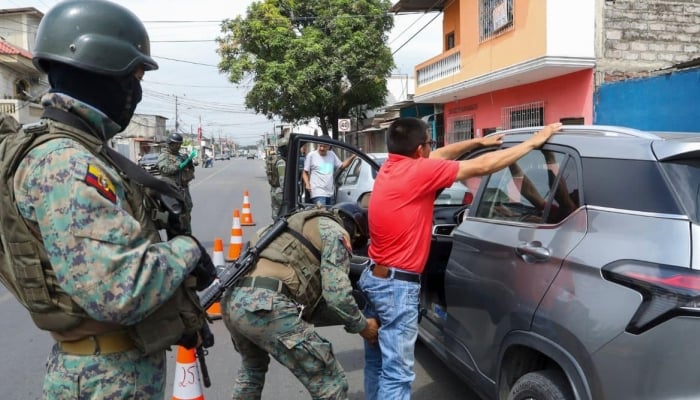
pixel 205 271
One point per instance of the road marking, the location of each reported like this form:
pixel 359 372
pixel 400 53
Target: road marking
pixel 210 176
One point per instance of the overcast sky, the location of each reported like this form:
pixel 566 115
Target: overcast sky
pixel 182 33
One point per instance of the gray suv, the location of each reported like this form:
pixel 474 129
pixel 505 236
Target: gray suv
pixel 573 274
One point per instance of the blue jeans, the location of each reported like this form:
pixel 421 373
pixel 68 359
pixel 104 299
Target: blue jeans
pixel 389 365
pixel 326 201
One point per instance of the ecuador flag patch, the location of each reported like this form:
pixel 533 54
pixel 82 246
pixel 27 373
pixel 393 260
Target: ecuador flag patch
pixel 97 179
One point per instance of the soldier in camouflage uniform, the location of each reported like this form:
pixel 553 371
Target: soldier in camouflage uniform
pixel 169 163
pixel 108 277
pixel 276 165
pixel 268 312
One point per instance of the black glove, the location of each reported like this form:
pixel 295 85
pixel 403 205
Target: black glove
pixel 205 271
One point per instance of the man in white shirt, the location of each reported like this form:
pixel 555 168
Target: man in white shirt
pixel 319 169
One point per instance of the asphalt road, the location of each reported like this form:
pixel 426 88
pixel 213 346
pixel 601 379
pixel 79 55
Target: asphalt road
pixel 216 193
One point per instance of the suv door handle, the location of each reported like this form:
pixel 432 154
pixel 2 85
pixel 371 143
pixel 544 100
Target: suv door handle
pixel 533 252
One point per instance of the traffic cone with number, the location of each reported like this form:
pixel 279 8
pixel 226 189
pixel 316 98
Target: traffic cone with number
pixel 186 385
pixel 246 214
pixel 214 311
pixel 236 243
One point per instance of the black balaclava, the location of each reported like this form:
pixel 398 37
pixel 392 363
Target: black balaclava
pixel 117 97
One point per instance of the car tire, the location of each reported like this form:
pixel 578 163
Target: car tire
pixel 541 385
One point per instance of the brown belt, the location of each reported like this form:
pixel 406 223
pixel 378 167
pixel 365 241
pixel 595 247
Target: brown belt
pixel 382 271
pixel 107 343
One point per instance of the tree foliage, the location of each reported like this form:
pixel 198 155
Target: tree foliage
pixel 301 54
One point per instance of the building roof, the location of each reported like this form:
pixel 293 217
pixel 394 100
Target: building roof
pixel 417 6
pixel 8 49
pixel 22 10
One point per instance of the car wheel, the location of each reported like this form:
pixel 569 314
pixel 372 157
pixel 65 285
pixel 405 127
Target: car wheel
pixel 541 385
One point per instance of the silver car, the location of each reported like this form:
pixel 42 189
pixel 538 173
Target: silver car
pixel 357 178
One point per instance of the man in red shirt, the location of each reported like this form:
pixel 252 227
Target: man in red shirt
pixel 400 224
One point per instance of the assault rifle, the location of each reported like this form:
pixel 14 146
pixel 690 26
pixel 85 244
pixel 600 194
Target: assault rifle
pixel 235 271
pixel 173 208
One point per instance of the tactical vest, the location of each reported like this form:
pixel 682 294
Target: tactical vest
pixel 288 250
pixel 273 177
pixel 25 268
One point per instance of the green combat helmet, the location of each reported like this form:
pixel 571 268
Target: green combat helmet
pixel 96 35
pixel 355 223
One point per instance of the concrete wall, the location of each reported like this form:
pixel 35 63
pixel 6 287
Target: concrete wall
pixel 636 38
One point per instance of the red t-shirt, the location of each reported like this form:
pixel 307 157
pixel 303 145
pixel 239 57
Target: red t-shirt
pixel 401 209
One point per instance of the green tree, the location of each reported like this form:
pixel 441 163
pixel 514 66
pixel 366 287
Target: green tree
pixel 322 59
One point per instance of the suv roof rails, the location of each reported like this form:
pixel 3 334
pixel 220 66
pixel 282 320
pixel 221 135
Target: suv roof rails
pixel 608 130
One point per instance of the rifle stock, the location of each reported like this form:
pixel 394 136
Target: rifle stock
pixel 236 270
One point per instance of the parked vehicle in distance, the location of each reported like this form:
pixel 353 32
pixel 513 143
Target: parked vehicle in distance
pixel 149 162
pixel 573 274
pixel 250 156
pixel 357 178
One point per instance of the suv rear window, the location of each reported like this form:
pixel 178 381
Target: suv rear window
pixel 684 177
pixel 627 184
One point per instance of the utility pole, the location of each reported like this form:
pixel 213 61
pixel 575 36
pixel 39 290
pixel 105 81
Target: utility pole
pixel 176 123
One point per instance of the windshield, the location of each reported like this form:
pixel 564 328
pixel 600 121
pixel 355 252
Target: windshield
pixel 150 158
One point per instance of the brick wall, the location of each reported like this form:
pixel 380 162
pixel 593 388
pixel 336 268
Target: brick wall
pixel 638 38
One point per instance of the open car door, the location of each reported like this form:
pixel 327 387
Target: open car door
pixel 293 192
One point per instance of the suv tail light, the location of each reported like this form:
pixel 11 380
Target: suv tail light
pixel 667 291
pixel 467 199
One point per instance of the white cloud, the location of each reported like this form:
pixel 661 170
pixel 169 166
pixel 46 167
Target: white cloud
pixel 204 85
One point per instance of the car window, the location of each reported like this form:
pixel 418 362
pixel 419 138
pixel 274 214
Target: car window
pixel 353 172
pixel 380 161
pixel 684 176
pixel 525 190
pixel 150 157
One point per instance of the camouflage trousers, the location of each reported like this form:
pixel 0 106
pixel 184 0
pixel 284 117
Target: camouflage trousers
pixel 264 323
pixel 275 201
pixel 118 376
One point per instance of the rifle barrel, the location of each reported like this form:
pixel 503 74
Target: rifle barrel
pixel 236 270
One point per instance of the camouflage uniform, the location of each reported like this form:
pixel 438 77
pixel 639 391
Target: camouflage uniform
pixel 169 167
pixel 113 267
pixel 264 322
pixel 276 192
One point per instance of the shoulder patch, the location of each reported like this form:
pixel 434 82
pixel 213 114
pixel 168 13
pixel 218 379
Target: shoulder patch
pixel 346 243
pixel 99 180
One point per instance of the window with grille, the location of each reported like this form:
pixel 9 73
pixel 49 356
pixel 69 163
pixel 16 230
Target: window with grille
pixel 495 17
pixel 462 129
pixel 522 116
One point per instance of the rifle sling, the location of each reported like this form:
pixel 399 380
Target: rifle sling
pixel 131 169
pixel 305 242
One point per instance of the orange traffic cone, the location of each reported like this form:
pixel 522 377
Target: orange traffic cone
pixel 214 311
pixel 186 385
pixel 236 243
pixel 246 214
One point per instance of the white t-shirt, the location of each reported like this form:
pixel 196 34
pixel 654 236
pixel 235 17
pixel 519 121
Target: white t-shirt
pixel 320 169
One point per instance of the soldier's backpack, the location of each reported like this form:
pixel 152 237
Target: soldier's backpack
pixel 273 177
